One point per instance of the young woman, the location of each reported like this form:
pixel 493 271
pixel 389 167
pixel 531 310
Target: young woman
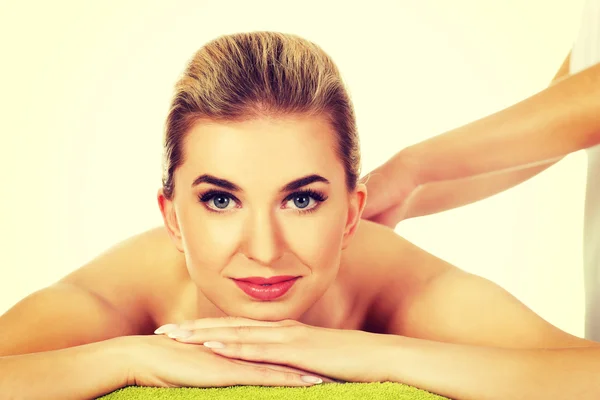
pixel 262 273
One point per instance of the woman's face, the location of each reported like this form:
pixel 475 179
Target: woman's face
pixel 259 199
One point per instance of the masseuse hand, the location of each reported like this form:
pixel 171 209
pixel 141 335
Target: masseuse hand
pixel 346 355
pixel 162 362
pixel 388 188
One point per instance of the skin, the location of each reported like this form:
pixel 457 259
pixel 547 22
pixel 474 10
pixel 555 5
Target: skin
pixel 366 297
pixel 456 168
pixel 261 232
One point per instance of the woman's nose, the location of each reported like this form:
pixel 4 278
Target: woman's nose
pixel 263 239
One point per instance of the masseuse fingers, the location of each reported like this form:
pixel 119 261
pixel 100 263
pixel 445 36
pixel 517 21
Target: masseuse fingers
pixel 385 218
pixel 391 216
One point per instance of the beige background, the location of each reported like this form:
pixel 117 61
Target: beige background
pixel 85 88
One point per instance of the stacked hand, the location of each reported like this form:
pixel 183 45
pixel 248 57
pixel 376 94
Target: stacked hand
pixel 345 355
pixel 159 361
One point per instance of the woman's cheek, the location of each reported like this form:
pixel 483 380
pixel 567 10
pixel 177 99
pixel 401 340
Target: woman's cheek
pixel 318 240
pixel 213 240
pixel 331 240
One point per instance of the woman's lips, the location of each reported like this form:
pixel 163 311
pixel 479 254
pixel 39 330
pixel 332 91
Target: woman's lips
pixel 266 288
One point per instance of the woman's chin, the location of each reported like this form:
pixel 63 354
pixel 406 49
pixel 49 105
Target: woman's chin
pixel 269 311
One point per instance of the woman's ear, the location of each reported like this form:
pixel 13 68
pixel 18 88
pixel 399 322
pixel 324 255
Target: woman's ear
pixel 169 215
pixel 358 200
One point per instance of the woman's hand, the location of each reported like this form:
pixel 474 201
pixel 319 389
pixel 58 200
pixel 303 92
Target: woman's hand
pixel 347 355
pixel 162 362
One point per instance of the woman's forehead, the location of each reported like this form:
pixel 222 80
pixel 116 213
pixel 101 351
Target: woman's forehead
pixel 278 148
pixel 303 140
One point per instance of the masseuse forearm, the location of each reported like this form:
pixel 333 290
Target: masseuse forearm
pixel 81 372
pixel 444 195
pixel 557 121
pixel 486 373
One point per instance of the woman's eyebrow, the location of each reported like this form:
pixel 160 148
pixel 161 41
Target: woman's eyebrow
pixel 307 180
pixel 228 185
pixel 213 180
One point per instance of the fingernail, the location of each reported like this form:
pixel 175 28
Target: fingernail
pixel 179 334
pixel 214 345
pixel 311 379
pixel 165 328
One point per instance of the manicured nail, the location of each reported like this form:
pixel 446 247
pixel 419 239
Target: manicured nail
pixel 179 334
pixel 214 345
pixel 311 379
pixel 165 328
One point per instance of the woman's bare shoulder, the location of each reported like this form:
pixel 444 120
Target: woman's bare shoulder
pixel 386 272
pixel 140 275
pixel 123 291
pixel 377 251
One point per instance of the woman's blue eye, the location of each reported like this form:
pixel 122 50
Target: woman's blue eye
pixel 217 201
pixel 220 202
pixel 301 201
pixel 305 200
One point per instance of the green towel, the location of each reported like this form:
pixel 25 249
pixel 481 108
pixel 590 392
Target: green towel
pixel 329 391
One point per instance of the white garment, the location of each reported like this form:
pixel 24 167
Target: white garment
pixel 585 53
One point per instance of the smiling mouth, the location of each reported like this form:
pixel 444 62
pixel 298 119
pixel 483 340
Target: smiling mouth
pixel 266 289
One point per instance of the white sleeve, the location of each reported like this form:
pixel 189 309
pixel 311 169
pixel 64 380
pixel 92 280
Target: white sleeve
pixel 586 49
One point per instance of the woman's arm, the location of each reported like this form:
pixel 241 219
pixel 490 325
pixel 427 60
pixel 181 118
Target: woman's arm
pixel 60 316
pixel 43 351
pixel 81 372
pixel 95 369
pixel 462 372
pixel 489 373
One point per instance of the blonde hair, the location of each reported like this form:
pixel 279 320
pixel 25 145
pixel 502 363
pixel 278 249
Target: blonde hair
pixel 249 75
